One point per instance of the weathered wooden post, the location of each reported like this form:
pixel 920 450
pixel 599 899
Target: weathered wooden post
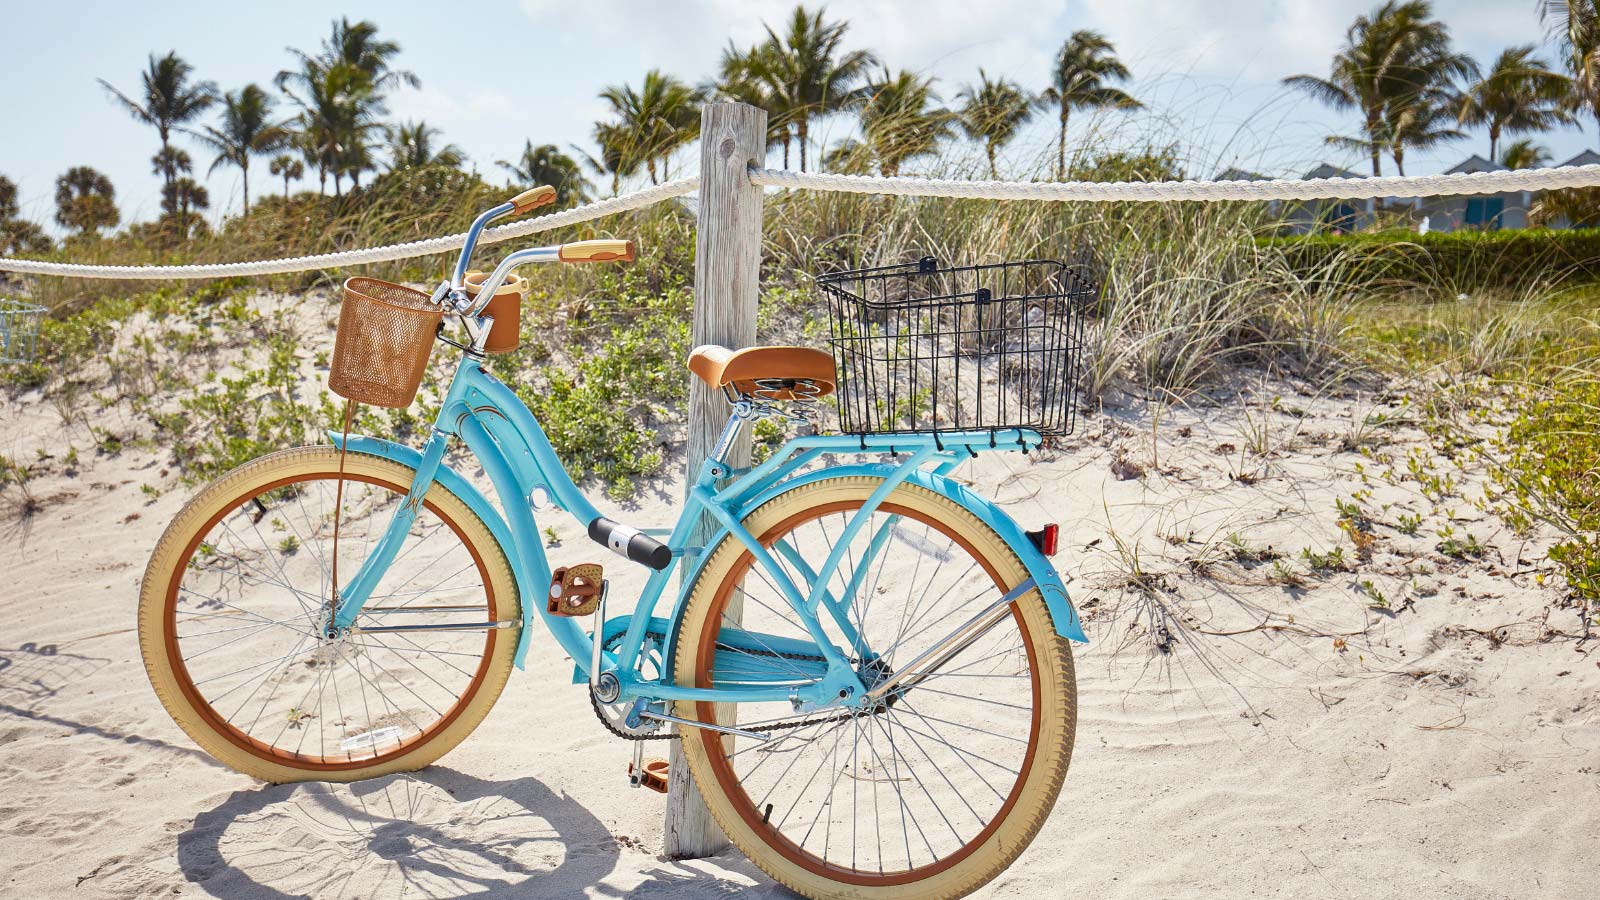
pixel 733 136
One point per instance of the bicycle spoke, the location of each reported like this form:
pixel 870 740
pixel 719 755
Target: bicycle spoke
pixel 965 753
pixel 928 690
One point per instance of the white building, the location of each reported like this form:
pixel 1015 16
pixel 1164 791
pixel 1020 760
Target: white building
pixel 1479 212
pixel 1338 216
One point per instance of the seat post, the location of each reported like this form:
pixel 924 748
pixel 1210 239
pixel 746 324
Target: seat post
pixel 743 410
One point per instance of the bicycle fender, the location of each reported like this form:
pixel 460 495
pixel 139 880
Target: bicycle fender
pixel 455 483
pixel 1051 586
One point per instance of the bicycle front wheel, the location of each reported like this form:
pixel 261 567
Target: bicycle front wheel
pixel 930 795
pixel 235 598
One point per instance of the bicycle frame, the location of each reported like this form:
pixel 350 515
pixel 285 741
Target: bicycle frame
pixel 511 446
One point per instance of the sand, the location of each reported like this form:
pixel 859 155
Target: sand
pixel 1314 745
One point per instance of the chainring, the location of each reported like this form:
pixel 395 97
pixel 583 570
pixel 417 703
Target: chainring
pixel 614 716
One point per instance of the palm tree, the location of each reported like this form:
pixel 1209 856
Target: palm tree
pixel 1524 154
pixel 170 98
pixel 358 46
pixel 901 119
pixel 180 200
pixel 618 158
pixel 1084 65
pixel 809 72
pixel 657 119
pixel 546 164
pixel 1519 94
pixel 338 113
pixel 289 167
pixel 9 207
pixel 22 236
pixel 1396 68
pixel 1421 125
pixel 1575 25
pixel 246 131
pixel 340 93
pixel 17 235
pixel 411 147
pixel 992 111
pixel 1422 110
pixel 85 201
pixel 168 162
pixel 745 77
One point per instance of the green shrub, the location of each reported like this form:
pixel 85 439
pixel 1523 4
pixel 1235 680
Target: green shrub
pixel 1460 261
pixel 598 415
pixel 1551 473
pixel 245 417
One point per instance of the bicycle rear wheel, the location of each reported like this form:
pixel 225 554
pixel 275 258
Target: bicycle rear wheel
pixel 235 596
pixel 930 795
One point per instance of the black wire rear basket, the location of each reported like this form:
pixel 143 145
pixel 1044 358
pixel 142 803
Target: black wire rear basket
pixel 920 348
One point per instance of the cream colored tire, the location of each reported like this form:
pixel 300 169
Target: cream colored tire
pixel 1051 745
pixel 175 548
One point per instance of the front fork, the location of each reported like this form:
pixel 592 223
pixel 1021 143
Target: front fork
pixel 355 594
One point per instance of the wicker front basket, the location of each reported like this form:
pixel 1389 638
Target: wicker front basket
pixel 380 353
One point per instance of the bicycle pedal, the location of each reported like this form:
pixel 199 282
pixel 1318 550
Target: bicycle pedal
pixel 575 590
pixel 653 775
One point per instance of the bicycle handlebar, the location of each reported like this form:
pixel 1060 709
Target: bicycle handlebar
pixel 532 198
pixel 605 250
pixel 602 250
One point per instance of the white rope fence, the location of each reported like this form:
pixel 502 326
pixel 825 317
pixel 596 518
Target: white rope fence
pixel 1407 186
pixel 585 213
pixel 1169 191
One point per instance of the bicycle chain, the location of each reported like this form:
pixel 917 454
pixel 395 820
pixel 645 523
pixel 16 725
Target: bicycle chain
pixel 594 702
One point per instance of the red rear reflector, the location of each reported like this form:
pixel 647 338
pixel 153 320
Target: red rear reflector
pixel 1046 539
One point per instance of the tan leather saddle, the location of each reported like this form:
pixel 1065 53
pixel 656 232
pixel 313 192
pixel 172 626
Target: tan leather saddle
pixel 767 373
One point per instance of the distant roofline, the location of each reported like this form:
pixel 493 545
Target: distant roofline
pixel 1337 172
pixel 1491 165
pixel 1234 173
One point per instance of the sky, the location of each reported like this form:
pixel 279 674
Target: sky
pixel 495 74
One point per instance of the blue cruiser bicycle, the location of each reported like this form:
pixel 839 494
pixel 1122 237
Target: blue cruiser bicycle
pixel 868 664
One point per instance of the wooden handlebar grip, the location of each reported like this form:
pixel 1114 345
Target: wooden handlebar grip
pixel 597 251
pixel 533 198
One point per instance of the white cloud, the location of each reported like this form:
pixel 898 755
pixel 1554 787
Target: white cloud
pixel 1263 40
pixel 454 114
pixel 1245 40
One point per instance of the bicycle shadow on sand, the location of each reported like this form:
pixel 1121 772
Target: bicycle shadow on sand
pixel 32 672
pixel 32 675
pixel 438 833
